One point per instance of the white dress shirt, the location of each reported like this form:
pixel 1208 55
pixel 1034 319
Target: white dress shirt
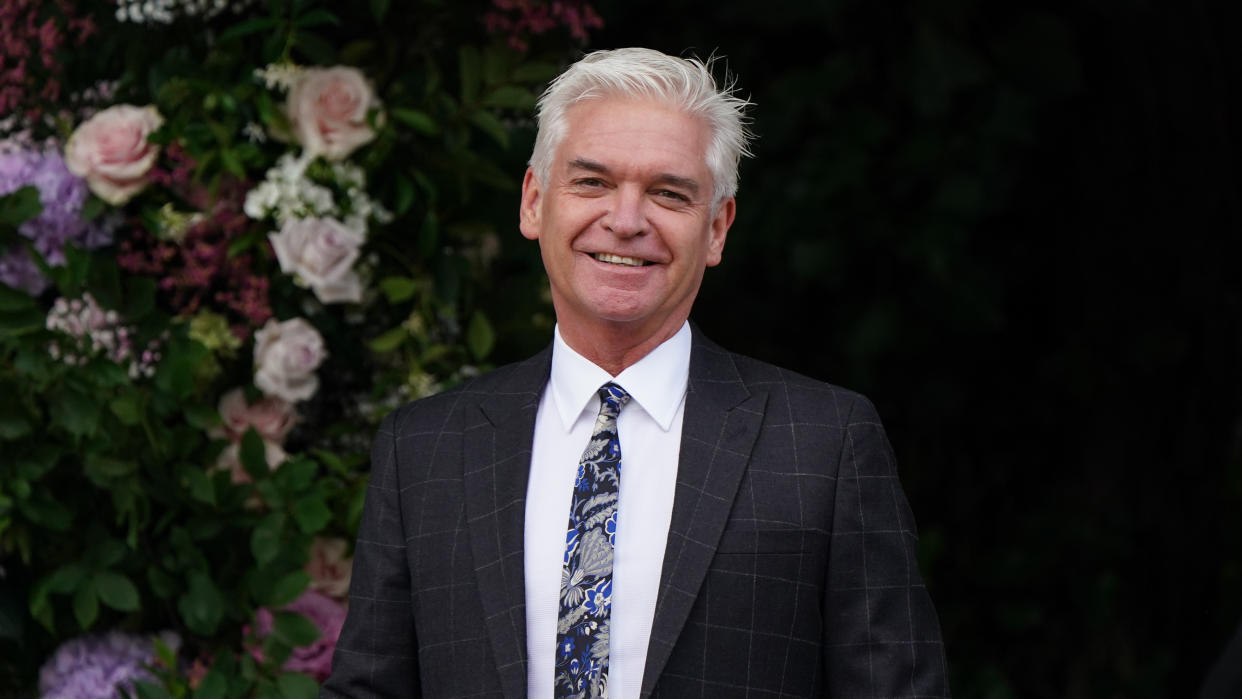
pixel 649 429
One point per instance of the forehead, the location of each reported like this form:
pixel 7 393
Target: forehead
pixel 639 133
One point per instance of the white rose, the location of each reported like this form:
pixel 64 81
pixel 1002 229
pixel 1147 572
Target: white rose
pixel 286 355
pixel 322 253
pixel 328 110
pixel 110 151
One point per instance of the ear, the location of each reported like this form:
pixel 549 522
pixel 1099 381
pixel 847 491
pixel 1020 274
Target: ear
pixel 532 200
pixel 719 229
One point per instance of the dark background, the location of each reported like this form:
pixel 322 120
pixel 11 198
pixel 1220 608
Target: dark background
pixel 1014 227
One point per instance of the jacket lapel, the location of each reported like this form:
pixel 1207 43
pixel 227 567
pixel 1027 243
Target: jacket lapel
pixel 721 420
pixel 497 452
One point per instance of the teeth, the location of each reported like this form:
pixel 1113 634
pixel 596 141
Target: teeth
pixel 618 260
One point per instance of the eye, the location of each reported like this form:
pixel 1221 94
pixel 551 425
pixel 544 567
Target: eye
pixel 672 196
pixel 588 182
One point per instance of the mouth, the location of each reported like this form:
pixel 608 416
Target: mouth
pixel 619 260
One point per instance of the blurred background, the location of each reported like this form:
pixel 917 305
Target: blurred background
pixel 1014 227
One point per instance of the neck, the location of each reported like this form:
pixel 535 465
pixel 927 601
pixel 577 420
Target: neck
pixel 615 348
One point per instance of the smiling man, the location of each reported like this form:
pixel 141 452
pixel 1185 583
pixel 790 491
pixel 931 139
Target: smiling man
pixel 636 512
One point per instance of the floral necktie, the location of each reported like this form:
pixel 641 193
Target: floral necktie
pixel 586 579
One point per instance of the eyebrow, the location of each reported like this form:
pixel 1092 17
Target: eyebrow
pixel 668 178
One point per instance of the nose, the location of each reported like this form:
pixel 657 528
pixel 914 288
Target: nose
pixel 625 217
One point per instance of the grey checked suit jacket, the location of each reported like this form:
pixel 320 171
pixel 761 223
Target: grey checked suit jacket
pixel 790 567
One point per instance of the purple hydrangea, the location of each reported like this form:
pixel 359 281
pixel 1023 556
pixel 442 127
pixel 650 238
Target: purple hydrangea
pixel 95 666
pixel 62 194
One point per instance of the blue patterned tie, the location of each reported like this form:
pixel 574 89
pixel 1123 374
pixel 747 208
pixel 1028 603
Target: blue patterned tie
pixel 586 579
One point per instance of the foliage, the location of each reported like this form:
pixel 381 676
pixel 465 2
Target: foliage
pixel 294 245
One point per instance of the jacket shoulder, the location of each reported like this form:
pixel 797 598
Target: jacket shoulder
pixel 520 382
pixel 804 399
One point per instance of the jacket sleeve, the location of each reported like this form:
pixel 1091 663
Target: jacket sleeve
pixel 881 634
pixel 376 655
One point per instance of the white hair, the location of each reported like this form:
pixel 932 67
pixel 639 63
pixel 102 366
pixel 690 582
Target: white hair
pixel 684 83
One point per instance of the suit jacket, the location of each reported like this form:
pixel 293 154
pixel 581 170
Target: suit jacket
pixel 789 571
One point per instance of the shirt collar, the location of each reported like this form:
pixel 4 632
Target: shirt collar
pixel 657 382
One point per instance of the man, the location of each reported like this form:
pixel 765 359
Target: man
pixel 636 512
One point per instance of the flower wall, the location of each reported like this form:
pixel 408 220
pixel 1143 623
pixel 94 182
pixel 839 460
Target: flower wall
pixel 233 235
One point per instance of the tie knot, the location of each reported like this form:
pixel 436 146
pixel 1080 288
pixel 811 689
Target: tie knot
pixel 612 398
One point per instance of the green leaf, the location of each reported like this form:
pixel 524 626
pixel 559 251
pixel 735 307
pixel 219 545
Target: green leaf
pixel 390 340
pixel 13 421
pixel 417 120
pixel 92 208
pixel 293 628
pixel 200 485
pixel 311 513
pixel 116 591
pixel 511 97
pixel 20 206
pixel 77 264
pixel 265 539
pixel 202 417
pixel 250 26
pixel 471 67
pixel 166 654
pixel 496 62
pixel 232 163
pixel 315 47
pixel 46 513
pixel 428 234
pixel 140 298
pixel 18 323
pixel 276 651
pixel 297 473
pixel 162 584
pixel 147 689
pixel 489 124
pixel 480 337
pixel 107 553
pixel 13 300
pixel 536 72
pixel 103 469
pixel 201 606
pixel 295 685
pixel 75 412
pixel 404 195
pixel 213 686
pixel 379 9
pixel 316 17
pixel 127 408
pixel 330 460
pixel 66 579
pixel 398 289
pixel 288 588
pixel 254 455
pixel 244 242
pixel 86 605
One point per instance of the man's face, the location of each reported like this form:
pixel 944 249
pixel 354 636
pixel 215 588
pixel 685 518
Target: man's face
pixel 625 222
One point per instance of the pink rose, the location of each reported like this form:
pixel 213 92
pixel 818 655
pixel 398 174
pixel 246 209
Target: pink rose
pixel 329 568
pixel 230 460
pixel 286 355
pixel 321 252
pixel 328 110
pixel 325 613
pixel 110 150
pixel 270 416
